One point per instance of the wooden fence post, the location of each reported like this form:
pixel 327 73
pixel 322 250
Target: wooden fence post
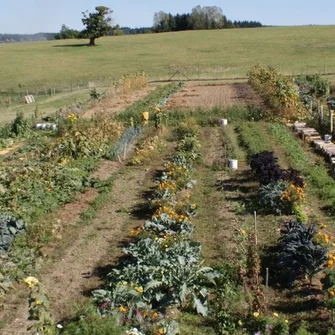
pixel 331 120
pixel 255 227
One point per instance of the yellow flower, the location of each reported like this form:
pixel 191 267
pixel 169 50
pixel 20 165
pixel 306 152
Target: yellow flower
pixel 139 289
pixel 38 302
pixel 286 321
pixel 275 315
pixel 31 281
pixel 255 314
pixel 122 309
pixel 160 331
pixel 240 323
pixel 154 315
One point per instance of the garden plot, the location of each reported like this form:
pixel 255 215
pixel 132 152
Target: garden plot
pixel 208 96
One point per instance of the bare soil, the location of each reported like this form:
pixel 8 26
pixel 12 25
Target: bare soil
pixel 208 96
pixel 114 104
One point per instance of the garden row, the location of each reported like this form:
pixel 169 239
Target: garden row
pixel 303 249
pixel 48 171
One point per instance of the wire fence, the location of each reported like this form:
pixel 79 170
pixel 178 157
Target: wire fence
pixel 172 73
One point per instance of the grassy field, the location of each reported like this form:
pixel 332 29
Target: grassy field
pixel 45 104
pixel 201 54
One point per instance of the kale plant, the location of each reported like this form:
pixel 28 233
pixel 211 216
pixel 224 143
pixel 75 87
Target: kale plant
pixel 299 253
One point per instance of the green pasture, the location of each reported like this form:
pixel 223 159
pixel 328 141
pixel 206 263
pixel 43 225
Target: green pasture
pixel 197 54
pixel 44 105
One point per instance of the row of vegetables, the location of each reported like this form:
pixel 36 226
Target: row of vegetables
pixel 47 171
pixel 162 270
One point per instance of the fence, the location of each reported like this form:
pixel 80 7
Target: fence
pixel 174 73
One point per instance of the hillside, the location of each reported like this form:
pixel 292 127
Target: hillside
pixel 224 53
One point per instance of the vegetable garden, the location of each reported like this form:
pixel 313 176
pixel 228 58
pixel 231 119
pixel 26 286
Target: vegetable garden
pixel 210 249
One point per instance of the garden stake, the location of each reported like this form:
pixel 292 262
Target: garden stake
pixel 331 121
pixel 125 151
pixel 267 288
pixel 255 226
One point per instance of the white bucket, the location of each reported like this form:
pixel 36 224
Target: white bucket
pixel 233 164
pixel 328 138
pixel 223 122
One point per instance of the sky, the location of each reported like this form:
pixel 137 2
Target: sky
pixel 32 16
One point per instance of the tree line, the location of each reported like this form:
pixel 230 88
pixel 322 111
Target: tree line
pixel 207 17
pixel 14 38
pixel 98 24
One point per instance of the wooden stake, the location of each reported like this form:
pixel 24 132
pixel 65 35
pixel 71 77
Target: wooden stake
pixel 267 278
pixel 331 121
pixel 321 113
pixel 125 152
pixel 255 227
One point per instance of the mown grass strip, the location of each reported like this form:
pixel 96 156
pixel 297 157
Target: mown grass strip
pixel 322 183
pixel 253 138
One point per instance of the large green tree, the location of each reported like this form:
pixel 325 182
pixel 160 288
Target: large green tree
pixel 97 24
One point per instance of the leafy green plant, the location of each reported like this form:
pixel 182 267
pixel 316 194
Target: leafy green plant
pixel 268 198
pixel 20 126
pixel 189 128
pixel 163 225
pixel 10 226
pixel 190 147
pixel 299 253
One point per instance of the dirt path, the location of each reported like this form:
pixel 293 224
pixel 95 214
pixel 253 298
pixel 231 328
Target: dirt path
pixel 69 279
pixel 208 96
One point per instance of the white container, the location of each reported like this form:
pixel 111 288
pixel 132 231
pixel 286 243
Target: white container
pixel 223 122
pixel 328 138
pixel 233 164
